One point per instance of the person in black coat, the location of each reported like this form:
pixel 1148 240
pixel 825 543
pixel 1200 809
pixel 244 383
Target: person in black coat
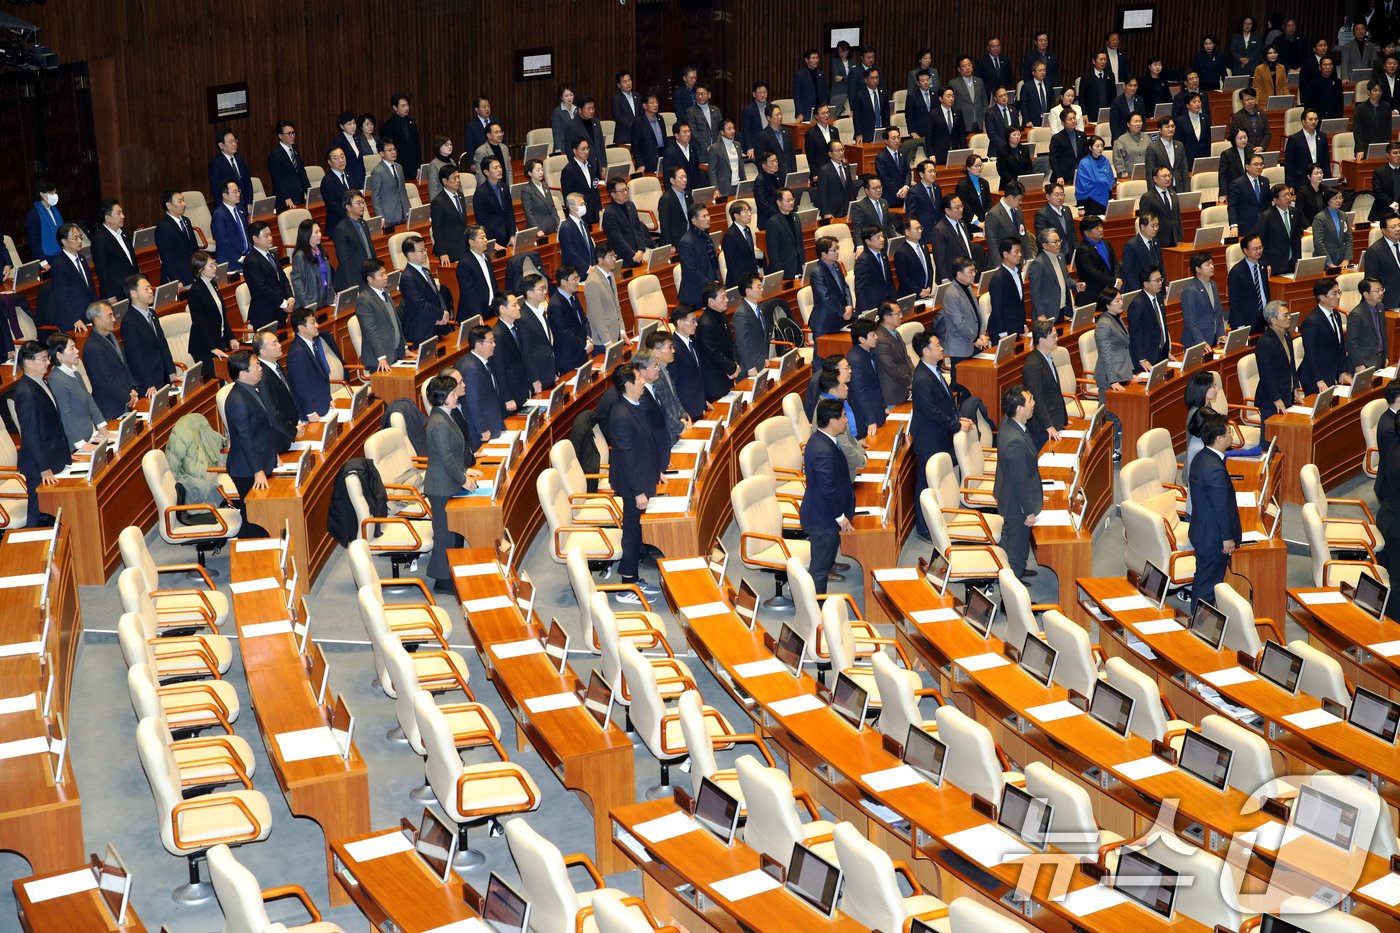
pixel 1043 383
pixel 1017 488
pixel 830 502
pixel 43 449
pixel 113 253
pixel 572 345
pixel 952 239
pixel 210 335
pixel 288 171
pixel 648 136
pixel 507 361
pixel 485 411
pixel 635 468
pixel 1141 251
pixel 309 358
pixel 785 250
pixel 1094 261
pixel 624 229
pixel 874 281
pixel 946 131
pixel 1324 344
pixel 924 201
pixel 252 455
pixel 404 132
pixel 913 262
pixel 113 388
pixel 1008 293
pixel 698 259
pixel 354 245
pixel 143 340
pixel 685 371
pixel 1388 479
pixel 276 392
pixel 1067 147
pixel 228 165
pixel 1248 286
pixel 423 305
pixel 935 419
pixel 1247 197
pixel 738 244
pixel 1283 238
pixel 538 331
pixel 449 217
pixel 72 287
pixel 833 306
pixel 673 208
pixel 838 184
pixel 476 280
pixel 719 363
pixel 493 206
pixel 175 239
pixel 1279 385
pixel 865 399
pixel 270 294
pixel 578 177
pixel 1215 526
pixel 1149 341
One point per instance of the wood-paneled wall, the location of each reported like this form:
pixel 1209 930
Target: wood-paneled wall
pixel 306 61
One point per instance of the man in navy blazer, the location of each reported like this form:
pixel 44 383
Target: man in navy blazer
pixel 1248 286
pixel 423 304
pixel 874 281
pixel 924 201
pixel 252 453
pixel 1248 197
pixel 71 282
pixel 270 292
pixel 334 184
pixel 913 262
pixel 492 204
pixel 832 304
pixel 229 224
pixel 143 339
pixel 1283 239
pixel 1324 346
pixel 113 253
pixel 684 370
pixel 699 263
pixel 830 502
pixel 288 171
pixel 1148 338
pixel 1297 156
pixel 935 419
pixel 870 107
pixel 738 245
pixel 572 345
pixel 893 168
pixel 1008 315
pixel 575 241
pixel 648 136
pixel 683 150
pixel 507 363
pixel 636 461
pixel 113 389
pixel 175 240
pixel 309 366
pixel 476 281
pixel 1195 140
pixel 946 131
pixel 485 413
pixel 867 402
pixel 919 107
pixel 1215 515
pixel 43 447
pixel 228 165
pixel 1141 251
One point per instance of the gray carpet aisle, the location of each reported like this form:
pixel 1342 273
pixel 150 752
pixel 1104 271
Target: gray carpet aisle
pixel 117 803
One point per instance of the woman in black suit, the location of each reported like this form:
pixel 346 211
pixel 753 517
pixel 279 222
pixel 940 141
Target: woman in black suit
pixel 1014 160
pixel 975 192
pixel 1153 87
pixel 1233 161
pixel 209 331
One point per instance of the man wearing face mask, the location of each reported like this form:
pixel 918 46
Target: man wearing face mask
pixel 575 242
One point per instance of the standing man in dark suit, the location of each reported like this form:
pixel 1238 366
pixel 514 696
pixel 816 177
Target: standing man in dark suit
pixel 275 391
pixel 919 107
pixel 833 307
pixel 252 455
pixel 866 396
pixel 893 168
pixel 1382 260
pixel 1124 106
pixel 626 107
pixel 1141 251
pixel 71 283
pixel 579 177
pixel 1248 285
pixel 1324 344
pixel 334 184
pixel 403 131
pixel 43 449
pixel 229 224
pixel 476 281
pixel 1281 228
pixel 1279 385
pixel 838 183
pixel 740 257
pixel 872 210
pixel 1067 147
pixel 575 238
pixel 870 107
pixel 492 205
pixel 952 240
pixel 1215 526
pixel 1094 261
pixel 685 371
pixel 809 88
pixel 1193 129
pixel 999 118
pixel 1304 149
pixel 112 252
pixel 775 138
pixel 449 217
pixel 874 280
pixel 1008 293
pixel 1385 185
pixel 924 201
pixel 1202 320
pixel 830 502
pixel 449 458
pixel 817 142
pixel 636 464
pixel 1097 86
pixel 1037 97
pixel 474 133
pixel 648 136
pixel 1387 486
pixel 683 150
pixel 507 362
pixel 699 263
pixel 288 171
pixel 424 309
pixel 753 325
pixel 674 206
pixel 935 419
pixel 621 225
pixel 1248 197
pixel 485 413
pixel 175 240
pixel 113 388
pixel 572 345
pixel 1149 341
pixel 1367 340
pixel 1049 416
pixel 270 293
pixel 994 68
pixel 1160 198
pixel 1017 487
pixel 913 263
pixel 538 331
pixel 228 165
pixel 785 250
pixel 946 131
pixel 147 351
pixel 1040 54
pixel 309 366
pixel 353 244
pixel 719 361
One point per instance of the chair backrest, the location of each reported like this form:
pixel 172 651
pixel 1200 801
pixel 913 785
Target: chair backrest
pixel 1251 765
pixel 1074 667
pixel 564 458
pixel 1072 824
pixel 605 627
pixel 840 640
pixel 356 492
pixel 136 556
pixel 160 481
pixel 135 647
pixel 1145 535
pixel 377 628
pixel 444 764
pixel 899 708
pixel 1204 899
pixel 1316 537
pixel 240 895
pixel 389 450
pixel 942 478
pixel 177 336
pixel 144 691
pixel 581 581
pixel 797 415
pixel 970 458
pixel 352 329
pixel 1016 604
pixel 647 706
pixel 1370 417
pixel 362 567
pixel 1322 675
pixel 220 401
pixel 772 828
pixel 406 690
pixel 1156 444
pixel 544 879
pixel 968 916
pixel 753 461
pixel 697 737
pixel 933 519
pixel 971 762
pixel 1064 371
pixel 907 332
pixel 807 611
pixel 1240 634
pixel 554 500
pixel 396 241
pixel 805 305
pixel 1148 720
pixel 871 895
pixel 845 245
pixel 162 773
pixel 135 597
pixel 1088 351
pixel 287 223
pixel 755 504
pixel 609 912
pixel 1304 912
pixel 784 448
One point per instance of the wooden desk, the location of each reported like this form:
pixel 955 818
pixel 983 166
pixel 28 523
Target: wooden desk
pixel 118 496
pixel 1356 173
pixel 333 791
pixel 398 891
pixel 1332 441
pixel 306 509
pixel 987 379
pixel 39 819
pixel 1165 406
pixel 1348 633
pixel 407 381
pixel 594 763
pixel 83 912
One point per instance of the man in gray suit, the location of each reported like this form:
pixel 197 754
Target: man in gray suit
pixel 872 209
pixel 1006 220
pixel 662 346
pixel 600 295
pixel 1166 152
pixel 1202 320
pixel 1052 290
pixel 726 160
pixel 381 337
pixel 79 413
pixel 753 325
pixel 892 356
pixel 386 187
pixel 704 118
pixel 448 473
pixel 1366 342
pixel 959 324
pixel 969 96
pixel 352 241
pixel 1017 488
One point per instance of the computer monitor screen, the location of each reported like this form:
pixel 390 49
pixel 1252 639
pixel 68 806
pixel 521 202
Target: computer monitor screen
pixel 790 649
pixel 925 753
pixel 598 699
pixel 436 844
pixel 1038 659
pixel 814 879
pixel 1373 713
pixel 1153 584
pixel 1206 759
pixel 1325 817
pixel 1150 883
pixel 1371 595
pixel 980 612
pixel 503 909
pixel 1111 706
pixel 1024 816
pixel 556 644
pixel 1280 667
pixel 717 810
pixel 850 699
pixel 1271 924
pixel 1208 624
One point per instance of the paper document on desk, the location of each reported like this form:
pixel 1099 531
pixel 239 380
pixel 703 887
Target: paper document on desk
pixel 689 446
pixel 476 570
pixel 276 627
pixel 1385 649
pixel 1387 373
pixel 1300 409
pixel 705 425
pixel 891 778
pixel 379 846
pixel 890 574
pixel 1050 712
pixel 981 662
pixel 21 648
pixel 899 416
pixel 746 885
pixel 517 649
pixel 1385 889
pixel 551 702
pixel 877 455
pixel 1341 391
pixel 685 563
pixel 804 703
pixel 760 668
pixel 1090 900
pixel 1143 768
pixel 926 616
pixel 1228 677
pixel 77 470
pixel 987 845
pixel 1128 603
pixel 1052 518
pixel 704 610
pixel 70 882
pixel 470 925
pixel 667 505
pixel 22 579
pixel 245 545
pixel 318 742
pixel 305 445
pixel 1157 626
pixel 487 604
pixel 239 587
pixel 1058 461
pixel 1311 719
pixel 19 748
pixel 985 356
pixel 1253 537
pixel 1072 435
pixel 1322 598
pixel 1246 500
pixel 870 477
pixel 22 704
pixel 408 364
pixel 666 827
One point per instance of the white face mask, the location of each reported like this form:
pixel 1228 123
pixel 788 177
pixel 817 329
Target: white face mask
pixel 580 211
pixel 51 199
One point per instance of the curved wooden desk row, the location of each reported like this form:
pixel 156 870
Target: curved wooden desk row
pixel 81 911
pixel 331 790
pixel 40 819
pixel 1025 718
pixel 1360 644
pixel 843 770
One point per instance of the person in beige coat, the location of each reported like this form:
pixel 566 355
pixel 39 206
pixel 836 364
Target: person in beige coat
pixel 600 295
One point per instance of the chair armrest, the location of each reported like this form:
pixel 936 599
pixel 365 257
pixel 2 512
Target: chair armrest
pixel 625 587
pixel 391 520
pixel 187 568
pixel 856 615
pixel 901 867
pixel 221 754
pixel 213 708
pixel 490 774
pixel 721 742
pixel 205 608
pixel 211 803
pixel 1333 501
pixel 772 539
pixel 582 860
pixel 581 918
pixel 594 500
pixel 186 647
pixel 935 914
pixel 1100 657
pixel 450 679
pixel 981 520
pixel 987 548
pixel 562 530
pixel 385 583
pixel 666 720
pixel 296 891
pixel 808 804
pixel 408 494
pixel 172 533
pixel 1274 628
pixel 797 474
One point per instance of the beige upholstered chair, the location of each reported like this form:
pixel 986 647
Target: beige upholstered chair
pixel 402 537
pixel 544 880
pixel 567 529
pixel 701 729
pixel 243 901
pixel 210 535
pixel 761 543
pixel 773 827
pixel 186 605
pixel 871 894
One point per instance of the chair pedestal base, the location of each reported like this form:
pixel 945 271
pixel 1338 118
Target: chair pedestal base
pixel 423 795
pixel 193 893
pixel 659 792
pixel 396 735
pixel 778 603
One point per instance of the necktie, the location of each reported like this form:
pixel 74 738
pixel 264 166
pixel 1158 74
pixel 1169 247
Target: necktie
pixel 875 106
pixel 928 102
pixel 1040 89
pixel 1005 117
pixel 1336 328
pixel 82 268
pixel 1287 224
pixel 242 231
pixel 1161 321
pixel 948 115
pixel 189 232
pixel 923 260
pixel 1073 145
pixel 748 238
pixel 457 203
pixel 879 214
pixel 544 323
pixel 966 245
pixel 1166 200
pixel 233 165
pixel 364 238
pixel 321 356
pixel 1259 284
pixel 1258 192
